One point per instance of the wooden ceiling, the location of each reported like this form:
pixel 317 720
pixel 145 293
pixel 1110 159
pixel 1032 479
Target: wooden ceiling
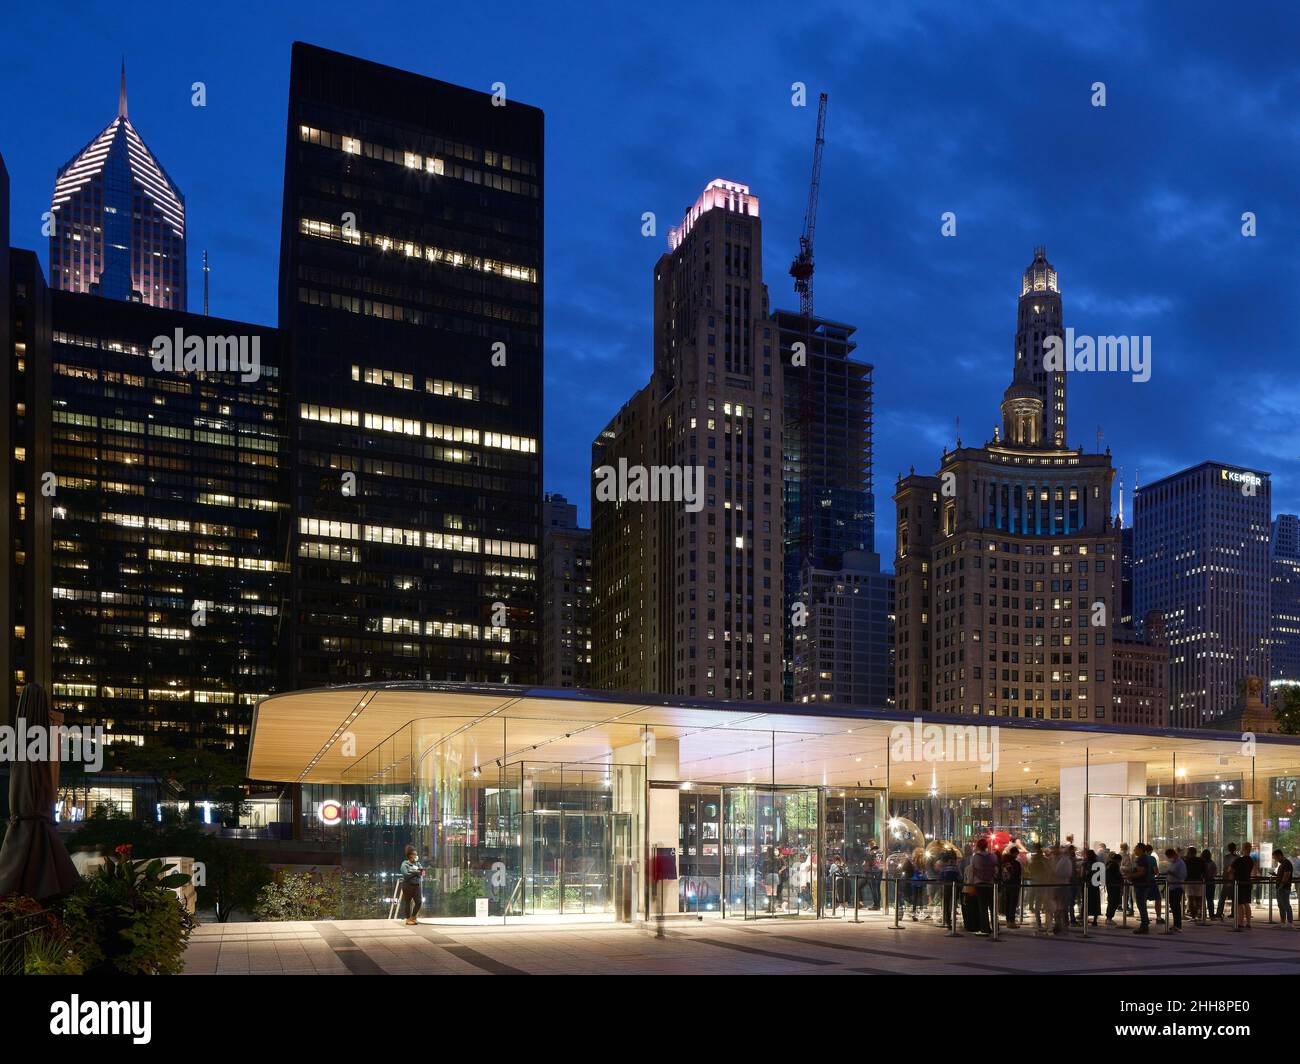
pixel 333 735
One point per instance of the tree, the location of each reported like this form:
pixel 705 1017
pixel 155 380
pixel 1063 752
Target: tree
pixel 1286 709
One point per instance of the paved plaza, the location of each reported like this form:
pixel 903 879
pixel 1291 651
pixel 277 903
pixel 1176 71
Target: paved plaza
pixel 730 947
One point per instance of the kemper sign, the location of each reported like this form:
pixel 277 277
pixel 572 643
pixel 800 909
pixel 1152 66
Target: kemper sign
pixel 1239 477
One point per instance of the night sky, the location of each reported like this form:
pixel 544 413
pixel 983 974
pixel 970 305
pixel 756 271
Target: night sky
pixel 979 109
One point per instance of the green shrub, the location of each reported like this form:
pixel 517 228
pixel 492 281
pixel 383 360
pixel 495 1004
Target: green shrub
pixel 126 920
pixel 306 895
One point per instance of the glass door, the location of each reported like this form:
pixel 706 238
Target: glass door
pixel 771 851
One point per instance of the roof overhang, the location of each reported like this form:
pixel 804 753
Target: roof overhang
pixel 357 732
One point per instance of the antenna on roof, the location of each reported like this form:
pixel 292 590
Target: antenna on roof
pixel 121 92
pixel 206 270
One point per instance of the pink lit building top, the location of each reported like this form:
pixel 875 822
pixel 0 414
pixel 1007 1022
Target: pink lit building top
pixel 729 195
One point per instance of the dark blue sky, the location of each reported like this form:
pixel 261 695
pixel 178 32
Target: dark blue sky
pixel 980 109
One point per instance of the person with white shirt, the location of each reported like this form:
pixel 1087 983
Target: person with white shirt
pixel 1175 876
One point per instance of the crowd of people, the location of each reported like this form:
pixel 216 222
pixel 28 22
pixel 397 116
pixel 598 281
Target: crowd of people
pixel 1062 885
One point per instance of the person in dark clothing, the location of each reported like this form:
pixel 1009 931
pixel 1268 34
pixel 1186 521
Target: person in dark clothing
pixel 950 883
pixel 1226 870
pixel 1211 874
pixel 1114 888
pixel 1243 867
pixel 1009 875
pixel 1195 886
pixel 411 872
pixel 1093 885
pixel 1283 874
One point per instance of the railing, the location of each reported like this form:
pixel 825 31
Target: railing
pixel 15 933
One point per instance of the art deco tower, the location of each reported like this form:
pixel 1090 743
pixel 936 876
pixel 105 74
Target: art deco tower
pixel 1040 317
pixel 687 601
pixel 1007 558
pixel 118 221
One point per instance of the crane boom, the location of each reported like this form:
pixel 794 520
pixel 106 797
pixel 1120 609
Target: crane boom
pixel 802 267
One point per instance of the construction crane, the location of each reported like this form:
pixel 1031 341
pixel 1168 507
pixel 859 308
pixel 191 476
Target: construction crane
pixel 802 267
pixel 802 272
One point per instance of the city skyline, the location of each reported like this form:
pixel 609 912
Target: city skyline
pixel 1144 247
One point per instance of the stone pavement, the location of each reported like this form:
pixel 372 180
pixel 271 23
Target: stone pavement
pixel 730 947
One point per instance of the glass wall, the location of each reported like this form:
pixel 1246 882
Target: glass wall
pixel 499 837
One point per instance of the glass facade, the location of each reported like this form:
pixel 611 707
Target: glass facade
pixel 532 805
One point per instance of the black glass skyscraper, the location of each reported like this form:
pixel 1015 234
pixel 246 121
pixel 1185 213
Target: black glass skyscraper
pixel 168 526
pixel 411 296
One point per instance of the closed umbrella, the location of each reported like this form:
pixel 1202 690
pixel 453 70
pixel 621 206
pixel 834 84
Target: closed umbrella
pixel 33 859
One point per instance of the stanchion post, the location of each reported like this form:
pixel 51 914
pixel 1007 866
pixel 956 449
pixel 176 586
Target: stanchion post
pixel 994 914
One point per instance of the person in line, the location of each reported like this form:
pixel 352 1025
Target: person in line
pixel 1211 874
pixel 1071 895
pixel 1282 888
pixel 1145 870
pixel 1114 888
pixel 1242 868
pixel 873 875
pixel 1063 873
pixel 984 869
pixel 1225 868
pixel 950 882
pixel 1009 873
pixel 411 873
pixel 1195 887
pixel 917 886
pixel 1176 877
pixel 1126 870
pixel 1036 873
pixel 1092 889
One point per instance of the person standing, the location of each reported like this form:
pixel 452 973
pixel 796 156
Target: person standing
pixel 1126 870
pixel 1211 874
pixel 1114 888
pixel 950 882
pixel 1243 867
pixel 1195 883
pixel 984 869
pixel 1282 888
pixel 1176 877
pixel 1229 856
pixel 1144 878
pixel 411 872
pixel 1010 871
pixel 1092 866
pixel 873 875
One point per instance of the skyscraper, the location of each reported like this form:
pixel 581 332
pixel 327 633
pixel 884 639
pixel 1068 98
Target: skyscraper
pixel 830 522
pixel 688 591
pixel 1008 560
pixel 411 298
pixel 118 220
pixel 1201 558
pixel 24 461
pixel 1284 592
pixel 169 531
pixel 566 595
pixel 1038 318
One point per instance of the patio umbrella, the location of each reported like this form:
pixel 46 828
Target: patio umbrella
pixel 33 859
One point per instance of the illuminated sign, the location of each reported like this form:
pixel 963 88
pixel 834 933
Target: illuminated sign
pixel 1239 477
pixel 330 812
